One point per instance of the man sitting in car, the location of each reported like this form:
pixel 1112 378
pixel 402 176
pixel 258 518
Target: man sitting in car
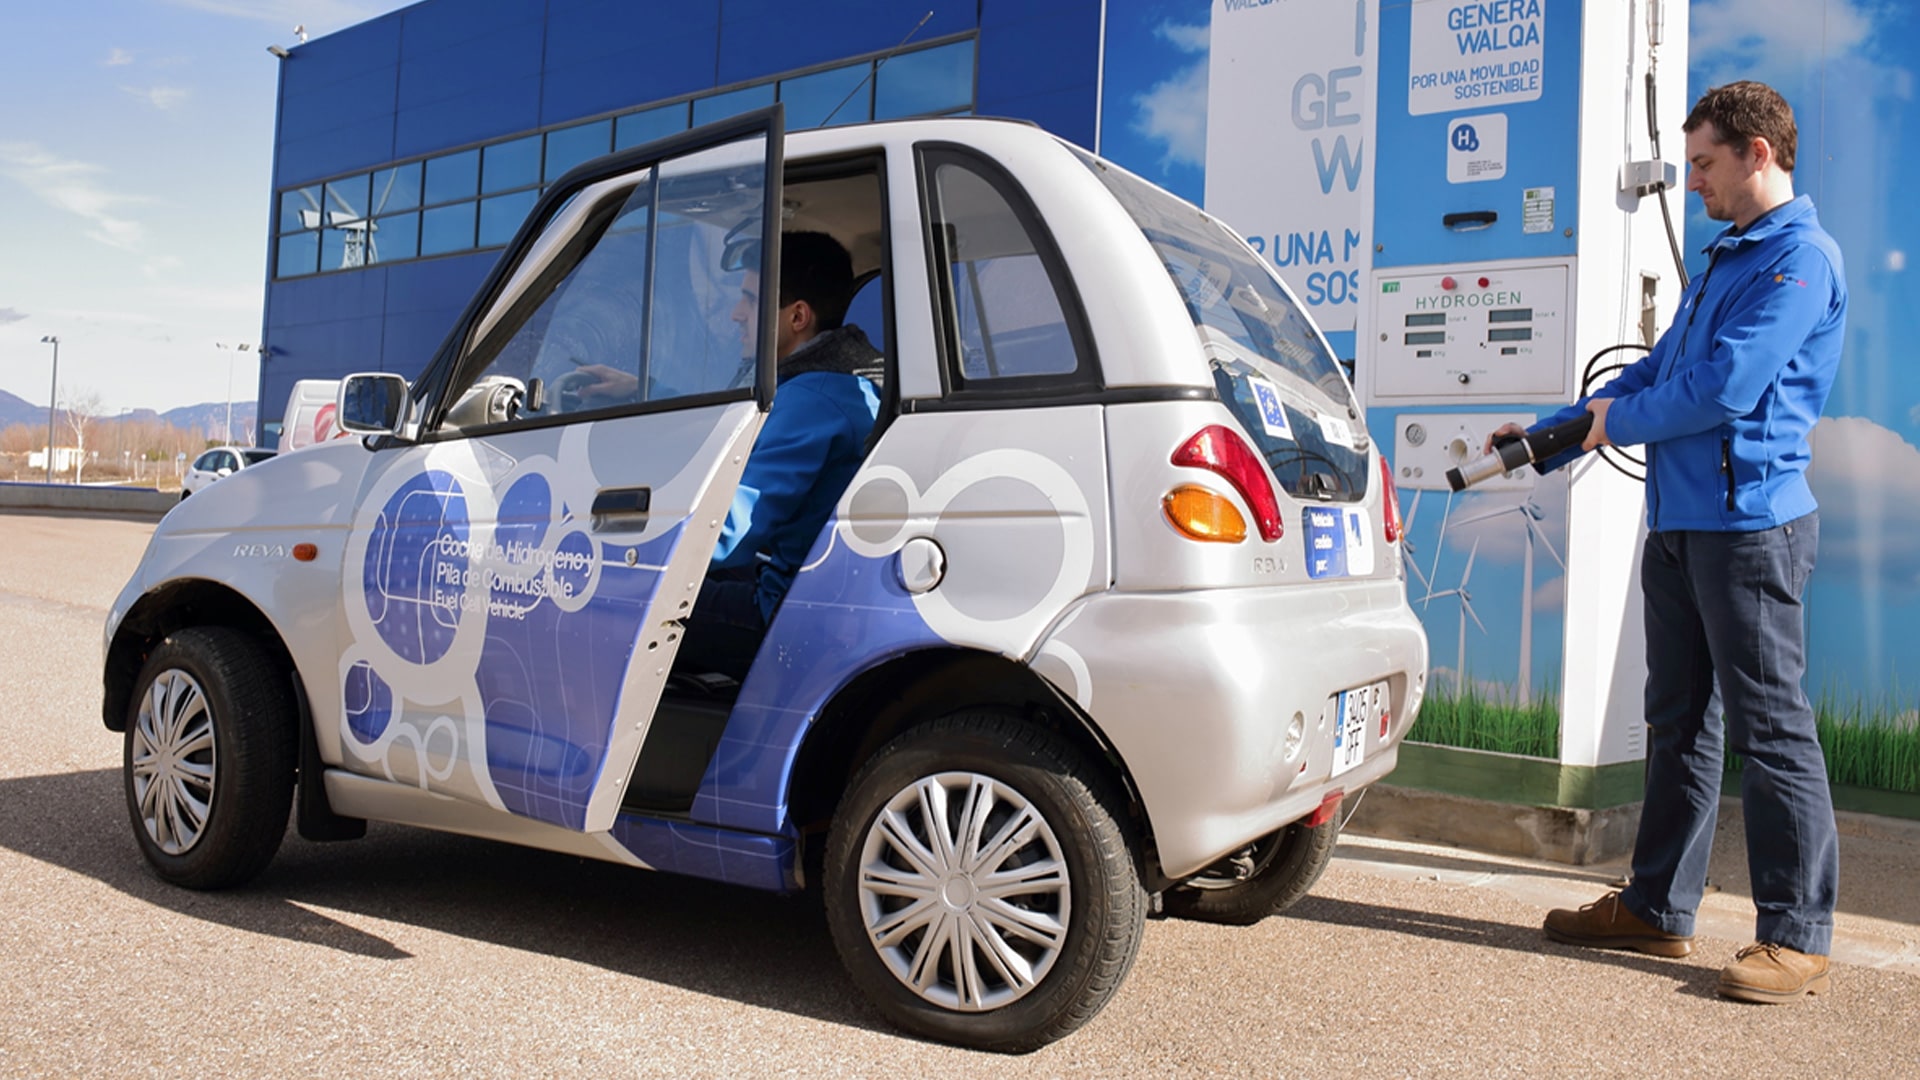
pixel 809 448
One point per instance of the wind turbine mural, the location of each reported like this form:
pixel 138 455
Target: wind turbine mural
pixel 1530 516
pixel 1409 551
pixel 1466 611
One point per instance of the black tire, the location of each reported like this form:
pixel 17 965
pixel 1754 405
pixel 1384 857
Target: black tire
pixel 1286 864
pixel 240 729
pixel 1080 822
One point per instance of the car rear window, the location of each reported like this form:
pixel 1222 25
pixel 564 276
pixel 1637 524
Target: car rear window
pixel 1270 365
pixel 255 457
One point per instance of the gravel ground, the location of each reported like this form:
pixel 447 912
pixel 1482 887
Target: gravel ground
pixel 415 954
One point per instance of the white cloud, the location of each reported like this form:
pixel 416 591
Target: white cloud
pixel 1767 39
pixel 9 315
pixel 1551 596
pixel 1913 415
pixel 1867 480
pixel 164 98
pixel 74 186
pixel 1174 112
pixel 1772 33
pixel 117 58
pixel 1185 37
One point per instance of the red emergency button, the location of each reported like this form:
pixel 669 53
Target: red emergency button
pixel 1448 283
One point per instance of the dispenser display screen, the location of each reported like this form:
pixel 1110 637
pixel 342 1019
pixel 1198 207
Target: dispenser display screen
pixel 1483 332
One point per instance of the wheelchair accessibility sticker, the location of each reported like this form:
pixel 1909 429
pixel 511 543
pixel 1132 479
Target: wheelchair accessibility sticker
pixel 1339 542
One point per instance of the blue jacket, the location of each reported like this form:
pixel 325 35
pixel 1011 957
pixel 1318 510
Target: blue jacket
pixel 811 444
pixel 1726 398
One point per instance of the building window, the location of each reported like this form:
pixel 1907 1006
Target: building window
pixel 922 83
pixel 455 176
pixel 477 197
pixel 732 103
pixel 838 96
pixel 396 236
pixel 397 188
pixel 634 129
pixel 446 229
pixel 572 146
pixel 509 165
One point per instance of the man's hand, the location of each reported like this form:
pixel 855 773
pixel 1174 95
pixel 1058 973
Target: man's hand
pixel 1597 435
pixel 605 382
pixel 1504 431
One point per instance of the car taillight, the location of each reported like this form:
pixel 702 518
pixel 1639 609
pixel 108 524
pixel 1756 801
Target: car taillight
pixel 1219 449
pixel 1392 504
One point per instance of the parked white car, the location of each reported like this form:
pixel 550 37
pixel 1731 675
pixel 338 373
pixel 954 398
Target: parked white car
pixel 1113 614
pixel 218 463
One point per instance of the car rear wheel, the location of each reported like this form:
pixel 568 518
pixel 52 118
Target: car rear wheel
pixel 209 758
pixel 1264 878
pixel 980 886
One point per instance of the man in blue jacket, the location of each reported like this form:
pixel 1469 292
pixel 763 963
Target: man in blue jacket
pixel 1723 405
pixel 811 444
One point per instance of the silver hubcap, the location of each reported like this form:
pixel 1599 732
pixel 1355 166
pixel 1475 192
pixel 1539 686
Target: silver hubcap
pixel 964 891
pixel 173 759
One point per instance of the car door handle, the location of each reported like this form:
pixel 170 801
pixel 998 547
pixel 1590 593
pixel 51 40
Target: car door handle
pixel 621 507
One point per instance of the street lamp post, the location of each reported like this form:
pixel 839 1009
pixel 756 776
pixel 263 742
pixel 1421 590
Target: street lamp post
pixel 230 350
pixel 52 397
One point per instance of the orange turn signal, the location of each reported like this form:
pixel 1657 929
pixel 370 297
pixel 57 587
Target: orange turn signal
pixel 1203 514
pixel 305 552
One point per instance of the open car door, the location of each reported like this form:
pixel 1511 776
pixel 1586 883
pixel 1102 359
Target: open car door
pixel 518 570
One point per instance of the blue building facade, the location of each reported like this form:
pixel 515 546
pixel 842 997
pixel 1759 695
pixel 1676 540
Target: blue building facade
pixel 410 147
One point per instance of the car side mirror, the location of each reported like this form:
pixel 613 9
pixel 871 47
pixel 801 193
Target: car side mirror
pixel 371 403
pixel 224 472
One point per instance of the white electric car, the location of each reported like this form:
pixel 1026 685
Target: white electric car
pixel 1112 615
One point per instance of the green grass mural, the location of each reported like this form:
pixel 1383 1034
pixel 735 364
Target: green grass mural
pixel 1868 744
pixel 1472 719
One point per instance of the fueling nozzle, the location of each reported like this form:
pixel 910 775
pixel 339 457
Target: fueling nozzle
pixel 1513 451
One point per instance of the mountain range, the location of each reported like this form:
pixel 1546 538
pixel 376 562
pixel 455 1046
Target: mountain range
pixel 210 416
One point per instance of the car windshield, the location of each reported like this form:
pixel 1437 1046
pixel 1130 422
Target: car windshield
pixel 1270 365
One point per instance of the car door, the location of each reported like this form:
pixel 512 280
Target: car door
pixel 518 571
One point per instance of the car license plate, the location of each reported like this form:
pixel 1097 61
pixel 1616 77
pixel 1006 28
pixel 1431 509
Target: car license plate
pixel 1357 713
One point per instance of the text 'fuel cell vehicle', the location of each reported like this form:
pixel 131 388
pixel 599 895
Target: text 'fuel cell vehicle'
pixel 1110 611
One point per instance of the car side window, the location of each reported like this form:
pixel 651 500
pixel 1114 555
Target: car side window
pixel 1007 307
pixel 639 301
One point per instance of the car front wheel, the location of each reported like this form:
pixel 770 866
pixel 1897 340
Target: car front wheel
pixel 980 886
pixel 209 758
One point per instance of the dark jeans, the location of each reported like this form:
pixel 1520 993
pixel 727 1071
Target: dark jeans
pixel 1727 606
pixel 725 629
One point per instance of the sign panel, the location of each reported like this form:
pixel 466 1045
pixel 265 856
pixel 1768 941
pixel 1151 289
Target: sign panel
pixel 1290 92
pixel 1469 55
pixel 1477 148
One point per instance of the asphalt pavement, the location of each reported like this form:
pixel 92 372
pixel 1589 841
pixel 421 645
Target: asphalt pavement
pixel 421 955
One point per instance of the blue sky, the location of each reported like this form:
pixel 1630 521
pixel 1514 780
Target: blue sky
pixel 135 149
pixel 1153 117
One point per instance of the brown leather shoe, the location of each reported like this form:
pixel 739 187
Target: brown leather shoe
pixel 1607 924
pixel 1767 973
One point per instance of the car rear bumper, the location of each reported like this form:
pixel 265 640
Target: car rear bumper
pixel 1196 692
